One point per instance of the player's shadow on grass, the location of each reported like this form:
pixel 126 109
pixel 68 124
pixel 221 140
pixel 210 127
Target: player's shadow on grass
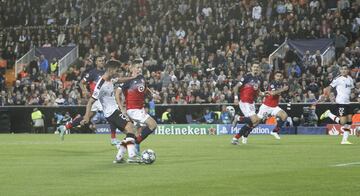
pixel 78 152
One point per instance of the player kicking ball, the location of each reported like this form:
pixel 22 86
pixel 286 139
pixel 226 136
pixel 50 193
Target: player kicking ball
pixel 134 92
pixel 342 112
pixel 270 105
pixel 104 92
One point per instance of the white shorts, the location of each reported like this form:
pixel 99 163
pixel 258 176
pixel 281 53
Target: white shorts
pixel 138 115
pixel 96 106
pixel 265 111
pixel 248 109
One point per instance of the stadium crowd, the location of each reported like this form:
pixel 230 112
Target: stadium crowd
pixel 194 51
pixel 36 13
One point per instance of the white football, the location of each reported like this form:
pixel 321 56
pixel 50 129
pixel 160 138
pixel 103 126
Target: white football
pixel 148 156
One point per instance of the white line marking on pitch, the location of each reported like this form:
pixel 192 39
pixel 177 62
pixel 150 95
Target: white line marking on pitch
pixel 347 164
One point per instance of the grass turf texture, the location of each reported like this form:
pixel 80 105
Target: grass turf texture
pixel 185 165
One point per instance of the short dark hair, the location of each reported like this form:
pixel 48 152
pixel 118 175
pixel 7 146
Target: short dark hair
pixel 113 64
pixel 278 72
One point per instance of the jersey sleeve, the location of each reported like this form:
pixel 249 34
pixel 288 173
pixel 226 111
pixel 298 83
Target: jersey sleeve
pixel 243 80
pixel 97 91
pixel 334 83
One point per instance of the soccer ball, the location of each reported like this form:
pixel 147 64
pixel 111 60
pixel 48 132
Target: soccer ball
pixel 231 110
pixel 148 156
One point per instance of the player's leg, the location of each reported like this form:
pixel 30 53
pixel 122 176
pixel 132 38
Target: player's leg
pixel 329 114
pixel 255 121
pixel 138 129
pixel 114 140
pixel 120 155
pixel 340 117
pixel 121 122
pixel 246 120
pixel 120 145
pixel 250 120
pixel 62 130
pixel 130 141
pixel 146 131
pixel 346 126
pixel 141 117
pixel 96 107
pixel 281 117
pixel 237 119
pixel 77 121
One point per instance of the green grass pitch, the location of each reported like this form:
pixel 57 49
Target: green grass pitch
pixel 185 165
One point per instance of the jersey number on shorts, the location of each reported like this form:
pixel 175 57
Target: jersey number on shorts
pixel 123 117
pixel 341 111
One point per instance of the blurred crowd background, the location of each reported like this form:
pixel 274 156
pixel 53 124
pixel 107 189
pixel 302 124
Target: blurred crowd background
pixel 194 51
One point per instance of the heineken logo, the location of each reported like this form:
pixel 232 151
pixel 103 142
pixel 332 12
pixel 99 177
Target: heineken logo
pixel 184 130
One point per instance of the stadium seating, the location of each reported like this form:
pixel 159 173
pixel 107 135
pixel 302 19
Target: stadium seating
pixel 209 44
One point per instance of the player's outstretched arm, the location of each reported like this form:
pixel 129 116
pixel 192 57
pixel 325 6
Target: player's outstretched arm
pixel 279 91
pixel 236 91
pixel 125 79
pixel 152 94
pixel 119 101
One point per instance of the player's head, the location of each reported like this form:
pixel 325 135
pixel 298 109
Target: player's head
pixel 255 69
pixel 100 61
pixel 112 67
pixel 344 70
pixel 136 69
pixel 278 76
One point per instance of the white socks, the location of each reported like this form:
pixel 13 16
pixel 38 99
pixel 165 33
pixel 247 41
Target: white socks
pixel 346 133
pixel 334 118
pixel 126 145
pixel 121 151
pixel 130 146
pixel 345 136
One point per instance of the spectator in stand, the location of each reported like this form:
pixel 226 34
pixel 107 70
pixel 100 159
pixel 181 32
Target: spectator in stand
pixel 294 70
pixel 38 121
pixel 340 41
pixel 54 66
pixel 225 116
pixel 256 11
pixel 166 117
pixel 44 64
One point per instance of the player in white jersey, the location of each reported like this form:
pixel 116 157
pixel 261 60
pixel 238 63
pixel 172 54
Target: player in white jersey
pixel 104 92
pixel 342 112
